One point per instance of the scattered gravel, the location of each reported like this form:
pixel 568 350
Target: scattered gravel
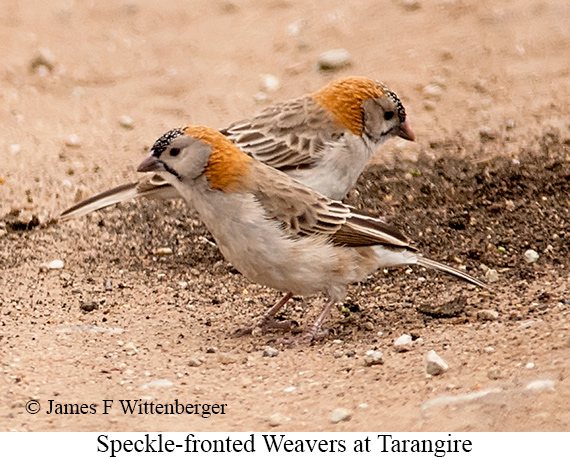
pixel 340 415
pixel 434 364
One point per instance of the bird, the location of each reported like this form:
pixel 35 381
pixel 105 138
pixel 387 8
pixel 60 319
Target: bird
pixel 323 139
pixel 276 231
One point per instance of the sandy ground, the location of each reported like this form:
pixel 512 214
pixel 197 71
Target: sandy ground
pixel 486 87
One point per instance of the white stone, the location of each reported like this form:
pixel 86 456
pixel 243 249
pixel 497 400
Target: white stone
pixel 340 415
pixel 270 83
pixel 403 343
pixel 435 365
pixel 73 141
pixel 158 383
pixel 491 275
pixel 57 264
pixel 531 256
pixel 334 59
pixel 126 122
pixel 540 384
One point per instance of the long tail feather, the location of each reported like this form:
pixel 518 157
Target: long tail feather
pixel 429 263
pixel 109 197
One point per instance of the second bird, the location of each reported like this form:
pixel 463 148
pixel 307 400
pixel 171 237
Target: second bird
pixel 323 140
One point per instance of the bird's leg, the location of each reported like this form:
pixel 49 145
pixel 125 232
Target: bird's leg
pixel 315 331
pixel 268 319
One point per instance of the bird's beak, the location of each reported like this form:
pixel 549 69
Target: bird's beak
pixel 151 163
pixel 405 132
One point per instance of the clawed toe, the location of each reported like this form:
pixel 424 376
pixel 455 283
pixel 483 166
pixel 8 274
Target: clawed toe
pixel 265 325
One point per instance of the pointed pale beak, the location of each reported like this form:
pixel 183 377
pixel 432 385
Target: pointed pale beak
pixel 405 132
pixel 151 163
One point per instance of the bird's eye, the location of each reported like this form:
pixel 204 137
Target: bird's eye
pixel 174 152
pixel 388 115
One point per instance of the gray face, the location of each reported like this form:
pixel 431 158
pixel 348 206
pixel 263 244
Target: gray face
pixel 182 157
pixel 382 117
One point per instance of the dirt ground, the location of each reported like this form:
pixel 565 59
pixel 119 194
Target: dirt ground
pixel 486 85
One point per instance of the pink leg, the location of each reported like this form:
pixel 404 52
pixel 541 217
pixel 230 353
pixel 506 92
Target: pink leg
pixel 314 332
pixel 268 319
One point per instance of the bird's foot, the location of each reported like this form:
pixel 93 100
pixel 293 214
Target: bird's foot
pixel 265 324
pixel 304 339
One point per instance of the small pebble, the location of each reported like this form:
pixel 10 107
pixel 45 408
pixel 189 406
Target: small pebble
pixel 89 306
pixel 270 83
pixel 403 343
pixel 108 284
pixel 491 275
pixel 163 251
pixel 211 350
pixel 226 359
pixel 488 134
pixel 269 351
pixel 130 349
pixel 73 141
pixel 55 264
pixel 373 358
pixel 334 59
pixel 432 91
pixel 158 383
pixel 540 384
pixel 434 364
pixel 194 362
pixel 411 5
pixel 340 415
pixel 43 62
pixel 126 122
pixel 15 148
pixel 289 389
pixel 531 256
pixel 277 419
pixel 529 366
pixel 183 284
pixel 487 315
pixel 494 373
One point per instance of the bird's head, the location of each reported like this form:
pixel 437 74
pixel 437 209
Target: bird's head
pixel 186 154
pixel 365 107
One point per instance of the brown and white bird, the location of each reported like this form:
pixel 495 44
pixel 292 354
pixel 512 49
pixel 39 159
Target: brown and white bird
pixel 273 229
pixel 323 140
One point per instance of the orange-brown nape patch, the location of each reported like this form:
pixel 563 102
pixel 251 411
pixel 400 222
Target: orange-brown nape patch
pixel 343 98
pixel 229 167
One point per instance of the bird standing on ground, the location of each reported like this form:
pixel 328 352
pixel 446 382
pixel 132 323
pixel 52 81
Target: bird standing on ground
pixel 273 229
pixel 324 140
